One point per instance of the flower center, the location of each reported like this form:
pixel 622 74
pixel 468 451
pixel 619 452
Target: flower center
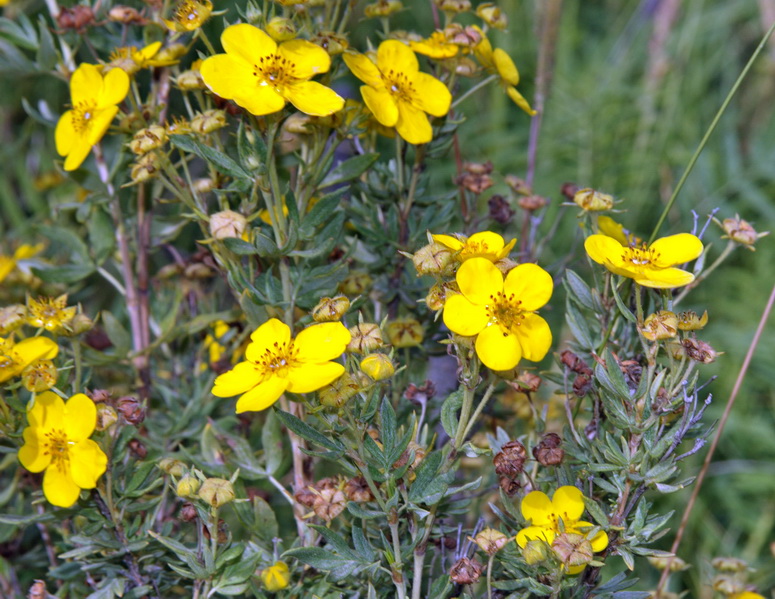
pixel 278 359
pixel 506 311
pixel 399 85
pixel 475 248
pixel 640 256
pixel 83 113
pixel 57 446
pixel 274 70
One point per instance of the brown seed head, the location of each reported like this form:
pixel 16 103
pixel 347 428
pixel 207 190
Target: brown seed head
pixel 500 210
pixel 138 449
pixel 126 15
pixel 699 351
pixel 329 503
pixel 569 190
pixel 465 571
pixel 356 489
pixel 188 512
pixel 510 460
pixel 549 451
pixel 532 202
pixel 131 409
pixel 77 18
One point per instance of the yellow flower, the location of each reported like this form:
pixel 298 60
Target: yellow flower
pixel 746 595
pixel 608 226
pixel 95 102
pixel 276 363
pixel 50 313
pixel 189 15
pixel 659 326
pixel 501 312
pixel 276 577
pixel 8 263
pixel 544 515
pixel 130 60
pixel 484 244
pixel 261 76
pixel 15 357
pixel 650 266
pixel 500 63
pixel 57 441
pixel 436 46
pixel 397 93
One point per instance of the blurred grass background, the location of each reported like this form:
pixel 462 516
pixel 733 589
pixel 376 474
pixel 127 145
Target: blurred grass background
pixel 634 86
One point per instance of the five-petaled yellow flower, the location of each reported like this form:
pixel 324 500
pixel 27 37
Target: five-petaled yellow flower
pixel 544 515
pixel 50 313
pixel 276 363
pixel 650 265
pixel 95 102
pixel 484 244
pixel 499 63
pixel 276 577
pixel 261 76
pixel 57 441
pixel 15 357
pixel 501 312
pixel 189 15
pixel 397 93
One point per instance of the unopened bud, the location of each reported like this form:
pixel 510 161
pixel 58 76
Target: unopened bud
pixel 227 223
pixel 593 201
pixel 187 486
pixel 80 324
pixel 659 326
pixel 439 293
pixel 741 231
pixel 492 15
pixel 676 564
pixel 729 564
pixel 406 332
pixel 465 571
pixel 339 392
pixel 356 283
pixel 382 8
pixel 203 185
pixel 172 466
pixel 433 259
pixel 146 167
pixel 689 321
pixel 330 309
pixel 378 366
pixel 331 42
pixel 170 53
pixel 280 29
pixel 148 139
pixel 106 417
pixel 728 584
pixel 276 577
pixel 573 549
pixel 209 121
pixel 216 492
pixel 535 552
pixel 549 451
pixel 365 338
pixel 190 80
pixel 12 318
pixel 453 6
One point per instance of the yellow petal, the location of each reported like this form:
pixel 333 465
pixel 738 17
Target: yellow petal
pixel 311 377
pixel 264 338
pixel 608 226
pixel 451 242
pixel 78 153
pixel 313 98
pixel 59 488
pixel 364 69
pixel 463 317
pixel 487 239
pixel 87 463
pixel 519 100
pixel 568 504
pixel 243 377
pixel 479 280
pixel 115 87
pixel 148 52
pixel 506 68
pixel 248 43
pixel 263 396
pixel 80 417
pixel 308 59
pixel 322 342
pixel 47 411
pixel 497 348
pixel 536 508
pixel 664 278
pixel 36 348
pixel 381 104
pixel 602 248
pixel 433 96
pixel 232 78
pixel 397 56
pixel 65 135
pixel 534 533
pixel 534 335
pixel 676 249
pixel 32 454
pixel 85 84
pixel 530 284
pixel 100 123
pixel 413 124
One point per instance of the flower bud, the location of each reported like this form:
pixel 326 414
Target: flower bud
pixel 661 563
pixel 465 571
pixel 382 8
pixel 276 577
pixel 518 185
pixel 339 392
pixel 187 486
pixel 203 185
pixel 106 417
pixel 439 293
pixel 510 460
pixel 593 201
pixel 331 42
pixel 689 321
pixel 729 564
pixel 209 121
pixel 741 231
pixel 146 167
pixel 356 283
pixel 406 332
pixel 80 324
pixel 171 53
pixel 378 366
pixel 131 409
pixel 699 351
pixel 453 6
pixel 190 80
pixel 365 338
pixel 572 549
pixel 728 584
pixel 434 259
pixel 329 503
pixel 39 376
pixel 549 451
pixel 330 309
pixel 659 326
pixel 172 466
pixel 491 541
pixel 227 223
pixel 148 139
pixel 12 318
pixel 492 15
pixel 216 492
pixel 535 552
pixel 280 29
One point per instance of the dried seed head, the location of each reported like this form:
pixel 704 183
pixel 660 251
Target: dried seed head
pixel 518 185
pixel 574 363
pixel 549 451
pixel 572 549
pixel 188 512
pixel 467 36
pixel 491 541
pixel 330 309
pixel 131 409
pixel 329 503
pixel 465 571
pixel 78 18
pixel 532 202
pixel 593 201
pixel 582 385
pixel 126 15
pixel 305 496
pixel 138 449
pixel 474 182
pixel 676 564
pixel 227 223
pixel 529 381
pixel 356 489
pixel 699 351
pixel 741 231
pixel 510 460
pixel 38 590
pixel 365 338
pixel 500 209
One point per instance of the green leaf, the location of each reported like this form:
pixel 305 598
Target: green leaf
pixel 321 559
pixel 305 431
pixel 579 290
pixel 221 161
pixel 102 234
pixel 387 418
pixel 350 169
pixel 265 521
pixel 360 512
pixel 598 515
pixel 449 412
pixel 320 212
pixel 620 304
pixel 240 247
pixel 117 334
pixel 69 273
pixel 272 442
